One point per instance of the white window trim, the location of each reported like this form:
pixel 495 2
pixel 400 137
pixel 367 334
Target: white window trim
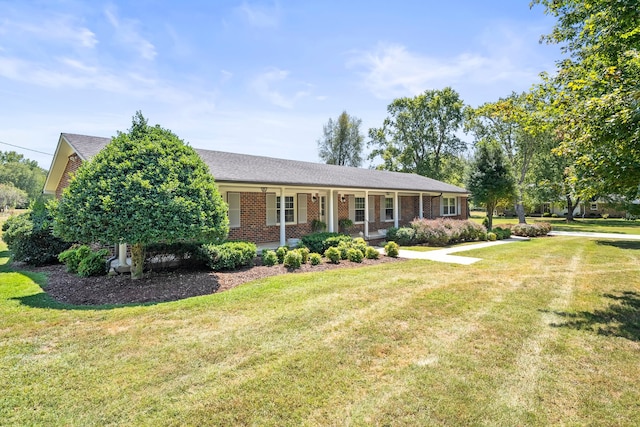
pixel 295 209
pixel 384 200
pixel 364 207
pixel 593 206
pixel 234 196
pixel 455 204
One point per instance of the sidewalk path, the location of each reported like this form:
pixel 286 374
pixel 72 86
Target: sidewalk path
pixel 597 235
pixel 444 255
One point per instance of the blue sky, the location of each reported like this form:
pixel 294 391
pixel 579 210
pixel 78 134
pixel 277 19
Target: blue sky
pixel 256 77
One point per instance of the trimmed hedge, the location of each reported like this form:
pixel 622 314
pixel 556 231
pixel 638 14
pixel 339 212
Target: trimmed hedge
pixel 229 255
pixel 531 230
pixel 293 259
pixel 437 232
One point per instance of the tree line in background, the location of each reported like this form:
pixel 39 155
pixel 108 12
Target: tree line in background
pixel 21 180
pixel 574 136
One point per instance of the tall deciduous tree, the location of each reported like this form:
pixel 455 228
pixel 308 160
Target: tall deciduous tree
pixel 518 125
pixel 341 143
pixel 146 186
pixel 598 91
pixel 490 179
pixel 419 133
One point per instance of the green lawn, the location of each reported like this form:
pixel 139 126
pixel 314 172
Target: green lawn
pixel 539 333
pixel 598 225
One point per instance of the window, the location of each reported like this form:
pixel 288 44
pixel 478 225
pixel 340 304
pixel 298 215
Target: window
pixel 448 206
pixel 359 209
pixel 388 209
pixel 594 206
pixel 233 199
pixel 289 210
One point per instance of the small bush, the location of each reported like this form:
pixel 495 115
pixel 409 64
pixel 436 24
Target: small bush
pixel 502 233
pixel 371 253
pixel 316 242
pixel 355 255
pixel 405 236
pixel 81 260
pixel 293 259
pixel 344 247
pixel 360 244
pixel 229 255
pixel 391 234
pixel 547 214
pixel 281 252
pixel 333 255
pixel 71 257
pixel 392 249
pixel 555 215
pixel 315 259
pixel 304 253
pixel 491 236
pixel 93 264
pixel 269 258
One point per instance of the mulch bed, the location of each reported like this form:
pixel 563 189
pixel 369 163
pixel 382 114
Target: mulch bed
pixel 165 286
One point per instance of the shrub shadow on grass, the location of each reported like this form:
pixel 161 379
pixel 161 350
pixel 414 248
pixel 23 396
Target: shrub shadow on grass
pixel 621 244
pixel 620 319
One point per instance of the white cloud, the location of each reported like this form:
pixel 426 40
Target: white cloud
pixel 52 28
pixel 261 16
pixel 271 84
pixel 391 70
pixel 127 34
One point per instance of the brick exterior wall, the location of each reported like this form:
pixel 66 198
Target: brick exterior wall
pixel 253 220
pixel 73 163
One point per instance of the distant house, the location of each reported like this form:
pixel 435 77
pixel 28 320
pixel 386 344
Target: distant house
pixel 272 200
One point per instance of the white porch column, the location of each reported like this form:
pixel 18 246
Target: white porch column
pixel 330 211
pixel 122 254
pixel 396 214
pixel 283 226
pixel 420 213
pixel 366 214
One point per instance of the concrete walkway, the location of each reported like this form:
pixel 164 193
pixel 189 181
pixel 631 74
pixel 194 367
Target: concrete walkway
pixel 596 235
pixel 444 255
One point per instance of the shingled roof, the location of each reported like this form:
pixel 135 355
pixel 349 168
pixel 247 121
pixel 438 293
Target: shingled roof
pixel 243 168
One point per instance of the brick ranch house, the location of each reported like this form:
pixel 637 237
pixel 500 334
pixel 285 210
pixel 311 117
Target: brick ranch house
pixel 256 187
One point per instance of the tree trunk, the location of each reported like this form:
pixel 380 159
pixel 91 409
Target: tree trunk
pixel 137 261
pixel 490 208
pixel 570 207
pixel 520 207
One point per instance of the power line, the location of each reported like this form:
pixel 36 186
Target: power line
pixel 28 149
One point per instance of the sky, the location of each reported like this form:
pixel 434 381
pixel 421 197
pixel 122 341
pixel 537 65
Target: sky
pixel 253 77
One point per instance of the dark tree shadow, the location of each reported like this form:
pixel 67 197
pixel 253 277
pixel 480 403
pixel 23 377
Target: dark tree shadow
pixel 620 244
pixel 620 319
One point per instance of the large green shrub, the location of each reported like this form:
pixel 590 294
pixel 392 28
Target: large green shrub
pixel 29 237
pixel 405 236
pixel 145 186
pixel 229 255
